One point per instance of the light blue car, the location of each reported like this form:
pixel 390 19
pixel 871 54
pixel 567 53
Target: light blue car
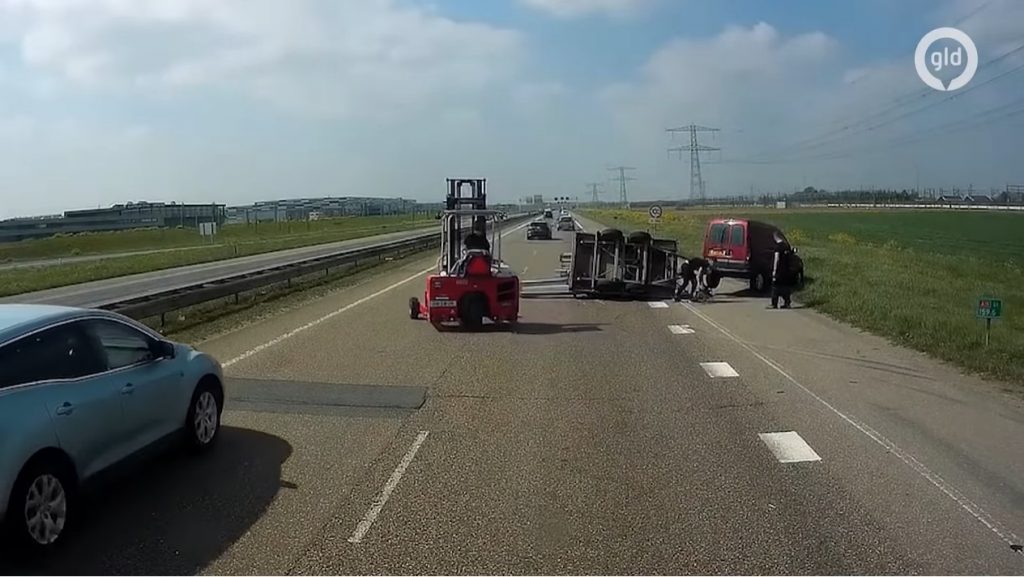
pixel 81 390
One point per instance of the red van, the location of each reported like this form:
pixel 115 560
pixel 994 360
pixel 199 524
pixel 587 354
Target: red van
pixel 745 249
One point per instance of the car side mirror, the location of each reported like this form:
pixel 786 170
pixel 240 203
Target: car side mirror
pixel 162 349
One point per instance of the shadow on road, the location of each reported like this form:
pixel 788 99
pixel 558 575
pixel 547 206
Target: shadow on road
pixel 170 513
pixel 554 328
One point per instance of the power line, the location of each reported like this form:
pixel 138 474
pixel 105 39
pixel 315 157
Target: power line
pixel 593 191
pixel 977 120
pixel 834 135
pixel 697 189
pixel 622 179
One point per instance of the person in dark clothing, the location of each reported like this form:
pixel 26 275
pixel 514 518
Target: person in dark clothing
pixel 783 277
pixel 477 240
pixel 688 275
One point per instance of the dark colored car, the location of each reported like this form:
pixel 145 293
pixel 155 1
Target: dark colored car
pixel 538 230
pixel 746 249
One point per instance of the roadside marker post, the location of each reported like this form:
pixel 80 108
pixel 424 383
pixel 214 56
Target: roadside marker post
pixel 655 212
pixel 988 309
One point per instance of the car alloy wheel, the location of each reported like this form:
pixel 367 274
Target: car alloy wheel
pixel 46 509
pixel 206 417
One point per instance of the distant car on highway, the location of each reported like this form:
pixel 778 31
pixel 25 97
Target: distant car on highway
pixel 538 229
pixel 81 390
pixel 548 213
pixel 745 249
pixel 565 222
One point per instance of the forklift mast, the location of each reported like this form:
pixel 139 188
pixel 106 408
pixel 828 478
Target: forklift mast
pixel 464 194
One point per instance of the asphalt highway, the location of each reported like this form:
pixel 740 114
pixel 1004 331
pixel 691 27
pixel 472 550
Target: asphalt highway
pixel 597 437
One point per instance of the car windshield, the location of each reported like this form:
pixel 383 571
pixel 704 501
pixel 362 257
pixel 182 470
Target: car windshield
pixel 491 287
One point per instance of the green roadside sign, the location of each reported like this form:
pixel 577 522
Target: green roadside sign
pixel 989 308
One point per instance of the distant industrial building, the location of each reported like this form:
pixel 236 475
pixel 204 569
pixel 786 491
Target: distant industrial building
pixel 327 207
pixel 118 217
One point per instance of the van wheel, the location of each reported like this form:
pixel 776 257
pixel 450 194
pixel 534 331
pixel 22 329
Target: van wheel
pixel 758 283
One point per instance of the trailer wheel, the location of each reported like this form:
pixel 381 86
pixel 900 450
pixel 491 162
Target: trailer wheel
pixel 610 234
pixel 414 308
pixel 640 237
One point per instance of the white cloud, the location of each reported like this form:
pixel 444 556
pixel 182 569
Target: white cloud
pixel 580 8
pixel 320 57
pixel 725 80
pixel 534 96
pixel 995 23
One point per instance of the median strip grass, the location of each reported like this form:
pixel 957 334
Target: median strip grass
pixel 28 279
pixel 911 276
pixel 148 239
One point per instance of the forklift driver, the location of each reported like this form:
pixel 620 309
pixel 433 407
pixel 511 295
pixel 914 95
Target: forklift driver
pixel 477 239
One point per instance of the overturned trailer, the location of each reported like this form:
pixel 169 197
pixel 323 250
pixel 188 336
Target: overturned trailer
pixel 612 264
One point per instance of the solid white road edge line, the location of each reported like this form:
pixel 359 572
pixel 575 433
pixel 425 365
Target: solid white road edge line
pixel 335 313
pixel 322 319
pixel 941 484
pixel 789 447
pixel 681 329
pixel 389 487
pixel 719 370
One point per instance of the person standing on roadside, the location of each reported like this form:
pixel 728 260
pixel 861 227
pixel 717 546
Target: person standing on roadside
pixel 783 277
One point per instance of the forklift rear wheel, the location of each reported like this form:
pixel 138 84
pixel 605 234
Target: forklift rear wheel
pixel 473 310
pixel 414 308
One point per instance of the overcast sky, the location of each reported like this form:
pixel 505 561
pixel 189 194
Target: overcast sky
pixel 104 101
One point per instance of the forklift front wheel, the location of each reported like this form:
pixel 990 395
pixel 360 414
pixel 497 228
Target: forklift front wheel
pixel 414 308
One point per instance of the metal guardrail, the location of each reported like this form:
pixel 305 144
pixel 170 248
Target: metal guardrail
pixel 161 303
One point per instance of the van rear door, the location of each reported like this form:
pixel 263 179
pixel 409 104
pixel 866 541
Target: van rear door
pixel 715 239
pixel 727 243
pixel 737 248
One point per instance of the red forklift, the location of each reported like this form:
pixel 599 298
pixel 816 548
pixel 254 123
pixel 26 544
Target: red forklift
pixel 471 283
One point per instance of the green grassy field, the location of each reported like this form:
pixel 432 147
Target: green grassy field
pixel 235 241
pixel 912 276
pixel 318 231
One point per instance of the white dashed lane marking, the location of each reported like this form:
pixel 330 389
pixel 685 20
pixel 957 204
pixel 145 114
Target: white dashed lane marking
pixel 719 370
pixel 681 329
pixel 658 304
pixel 789 447
pixel 389 487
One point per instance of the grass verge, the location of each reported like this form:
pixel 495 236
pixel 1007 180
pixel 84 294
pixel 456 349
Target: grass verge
pixel 107 242
pixel 28 279
pixel 911 276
